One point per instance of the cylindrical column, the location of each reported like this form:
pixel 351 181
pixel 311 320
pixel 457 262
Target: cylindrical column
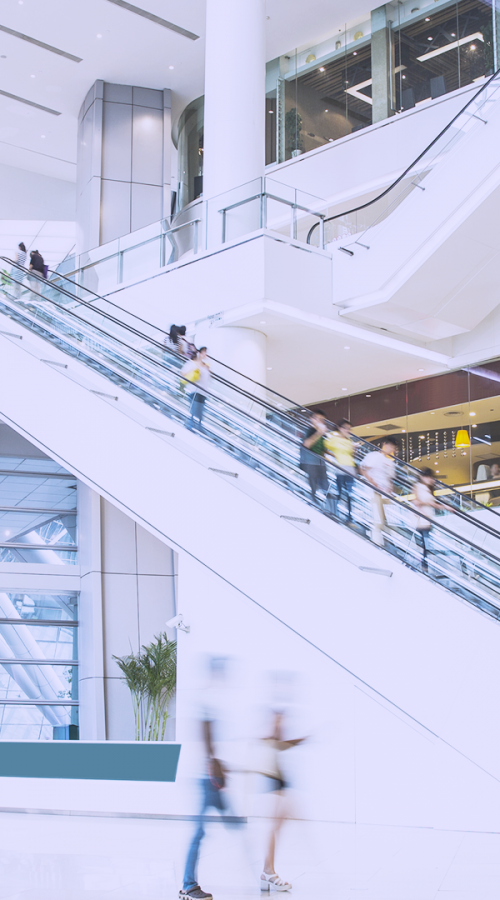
pixel 234 127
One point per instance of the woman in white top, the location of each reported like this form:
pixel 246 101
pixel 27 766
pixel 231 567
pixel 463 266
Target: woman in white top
pixel 427 504
pixel 197 373
pixel 20 261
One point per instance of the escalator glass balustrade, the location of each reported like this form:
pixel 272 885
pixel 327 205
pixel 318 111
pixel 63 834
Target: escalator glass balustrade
pixel 264 431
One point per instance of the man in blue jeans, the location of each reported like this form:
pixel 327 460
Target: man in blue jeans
pixel 212 796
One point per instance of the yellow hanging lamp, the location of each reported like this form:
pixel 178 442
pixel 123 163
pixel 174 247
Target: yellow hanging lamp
pixel 462 439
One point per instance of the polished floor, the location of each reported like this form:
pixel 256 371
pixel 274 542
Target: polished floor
pixel 85 858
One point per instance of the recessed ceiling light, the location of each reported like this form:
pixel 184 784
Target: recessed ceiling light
pixel 355 53
pixel 269 368
pixel 344 389
pixel 420 370
pixel 368 395
pixel 421 437
pixel 321 68
pixel 433 414
pixel 473 46
pixel 20 2
pixel 473 425
pixel 427 19
pixel 472 414
pixel 270 111
pixel 263 322
pixel 32 76
pixel 429 39
pixel 42 135
pixel 453 34
pixel 99 35
pixel 170 67
pixel 326 110
pixel 347 347
pixel 404 430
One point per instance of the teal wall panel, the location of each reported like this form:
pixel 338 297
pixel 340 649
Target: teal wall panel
pixel 103 761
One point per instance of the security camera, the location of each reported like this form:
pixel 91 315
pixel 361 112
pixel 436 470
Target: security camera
pixel 178 622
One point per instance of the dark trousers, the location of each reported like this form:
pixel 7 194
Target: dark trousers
pixel 197 407
pixel 344 488
pixel 422 537
pixel 210 797
pixel 317 476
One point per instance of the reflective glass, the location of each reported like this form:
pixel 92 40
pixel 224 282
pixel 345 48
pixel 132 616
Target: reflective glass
pixel 29 723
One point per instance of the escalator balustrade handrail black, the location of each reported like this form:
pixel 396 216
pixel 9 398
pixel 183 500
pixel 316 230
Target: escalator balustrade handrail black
pixel 257 422
pixel 296 415
pixel 412 165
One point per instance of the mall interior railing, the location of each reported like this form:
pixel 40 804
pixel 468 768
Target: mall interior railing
pixel 204 225
pixel 261 431
pixel 350 229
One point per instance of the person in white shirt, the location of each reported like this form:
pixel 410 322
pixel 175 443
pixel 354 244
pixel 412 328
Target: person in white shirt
pixel 379 469
pixel 427 504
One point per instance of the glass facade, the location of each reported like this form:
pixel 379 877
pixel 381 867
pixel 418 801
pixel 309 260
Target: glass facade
pixel 189 143
pixel 38 665
pixel 448 422
pixel 37 512
pixel 404 55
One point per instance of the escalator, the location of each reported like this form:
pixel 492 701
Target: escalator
pixel 437 217
pixel 98 390
pixel 260 429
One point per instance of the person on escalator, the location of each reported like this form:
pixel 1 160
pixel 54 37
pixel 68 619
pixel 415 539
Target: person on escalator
pixel 427 504
pixel 37 266
pixel 379 469
pixel 312 454
pixel 20 261
pixel 196 372
pixel 340 444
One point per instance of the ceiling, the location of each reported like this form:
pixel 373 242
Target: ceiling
pixel 118 46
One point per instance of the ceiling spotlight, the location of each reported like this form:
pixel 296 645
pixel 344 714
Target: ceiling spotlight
pixel 32 76
pixel 355 53
pixel 473 46
pixel 321 68
pixel 99 35
pixel 453 34
pixel 271 112
pixel 429 39
pixel 427 19
pixel 344 389
pixel 42 135
pixel 421 437
pixel 269 368
pixel 404 431
pixel 473 425
pixel 20 2
pixel 368 395
pixel 347 347
pixel 263 322
pixel 420 370
pixel 472 414
pixel 170 67
pixel 404 76
pixel 326 110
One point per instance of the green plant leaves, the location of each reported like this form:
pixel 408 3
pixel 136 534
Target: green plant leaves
pixel 150 676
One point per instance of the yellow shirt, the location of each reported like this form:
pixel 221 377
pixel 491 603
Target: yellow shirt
pixel 341 447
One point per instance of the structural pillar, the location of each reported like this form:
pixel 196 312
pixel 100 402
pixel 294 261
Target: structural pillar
pixel 235 70
pixel 383 80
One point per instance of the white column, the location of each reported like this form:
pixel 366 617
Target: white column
pixel 234 127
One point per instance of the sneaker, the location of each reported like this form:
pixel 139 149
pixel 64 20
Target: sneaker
pixel 196 893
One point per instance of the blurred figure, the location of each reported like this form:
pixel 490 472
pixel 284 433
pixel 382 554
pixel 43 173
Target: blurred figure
pixel 20 261
pixel 495 471
pixel 177 339
pixel 270 767
pixel 37 266
pixel 213 782
pixel 427 504
pixel 379 469
pixel 312 453
pixel 197 373
pixel 340 445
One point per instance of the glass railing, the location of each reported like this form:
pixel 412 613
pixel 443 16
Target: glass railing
pixel 462 552
pixel 262 204
pixel 349 229
pixel 153 343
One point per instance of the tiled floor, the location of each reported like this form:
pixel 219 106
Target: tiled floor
pixel 84 858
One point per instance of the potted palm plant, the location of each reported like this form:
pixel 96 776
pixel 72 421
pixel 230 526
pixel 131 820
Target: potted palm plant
pixel 150 676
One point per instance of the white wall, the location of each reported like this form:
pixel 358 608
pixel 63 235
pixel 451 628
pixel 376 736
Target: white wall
pixel 29 195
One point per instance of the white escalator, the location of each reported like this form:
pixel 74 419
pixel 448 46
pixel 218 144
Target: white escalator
pixel 97 389
pixel 420 258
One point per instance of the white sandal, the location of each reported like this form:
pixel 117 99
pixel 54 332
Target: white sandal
pixel 269 881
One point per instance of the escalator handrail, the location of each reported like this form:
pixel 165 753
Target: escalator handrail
pixel 269 427
pixel 293 413
pixel 348 212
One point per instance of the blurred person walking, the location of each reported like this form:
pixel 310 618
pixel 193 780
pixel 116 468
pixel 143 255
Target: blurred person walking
pixel 197 373
pixel 37 266
pixel 340 445
pixel 379 469
pixel 20 260
pixel 427 504
pixel 270 767
pixel 312 452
